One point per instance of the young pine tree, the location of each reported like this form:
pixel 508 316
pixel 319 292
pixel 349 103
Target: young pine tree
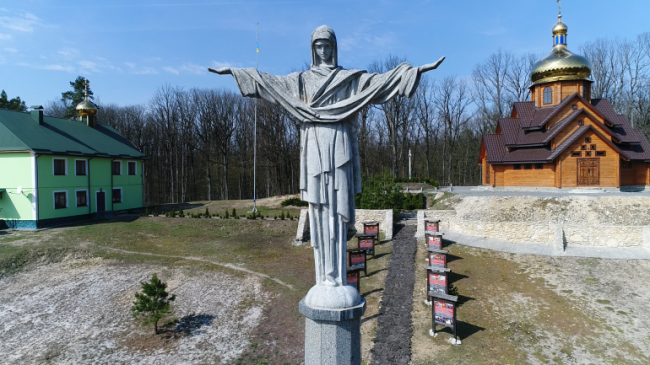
pixel 153 303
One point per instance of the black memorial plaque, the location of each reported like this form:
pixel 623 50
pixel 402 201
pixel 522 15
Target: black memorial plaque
pixel 437 280
pixel 353 278
pixel 367 243
pixel 433 240
pixel 437 258
pixel 443 312
pixel 357 259
pixel 371 228
pixel 431 225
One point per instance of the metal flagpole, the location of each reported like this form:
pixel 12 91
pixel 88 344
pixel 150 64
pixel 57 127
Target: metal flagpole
pixel 257 51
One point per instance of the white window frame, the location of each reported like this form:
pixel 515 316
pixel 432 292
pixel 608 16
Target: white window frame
pixel 127 168
pixel 67 201
pixel 76 203
pixel 66 166
pixel 121 196
pixel 120 161
pixel 97 200
pixel 75 167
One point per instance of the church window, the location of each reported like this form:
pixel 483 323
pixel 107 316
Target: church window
pixel 600 153
pixel 588 154
pixel 593 147
pixel 583 147
pixel 587 140
pixel 516 167
pixel 539 166
pixel 548 95
pixel 528 166
pixel 581 123
pixel 576 154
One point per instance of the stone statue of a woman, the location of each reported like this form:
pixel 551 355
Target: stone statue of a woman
pixel 325 100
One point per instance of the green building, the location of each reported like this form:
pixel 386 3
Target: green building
pixel 55 170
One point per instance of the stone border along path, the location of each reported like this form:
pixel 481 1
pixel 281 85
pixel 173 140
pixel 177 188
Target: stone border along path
pixel 394 331
pixel 229 266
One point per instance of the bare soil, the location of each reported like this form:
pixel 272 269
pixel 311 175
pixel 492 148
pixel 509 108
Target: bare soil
pixel 516 309
pixel 77 311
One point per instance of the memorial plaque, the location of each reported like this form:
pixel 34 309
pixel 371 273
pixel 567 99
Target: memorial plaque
pixel 437 258
pixel 437 280
pixel 371 228
pixel 353 278
pixel 357 259
pixel 434 240
pixel 431 225
pixel 367 243
pixel 443 312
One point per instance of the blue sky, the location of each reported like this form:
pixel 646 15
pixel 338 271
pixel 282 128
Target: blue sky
pixel 128 49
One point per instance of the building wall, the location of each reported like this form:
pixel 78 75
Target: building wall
pixel 101 179
pixel 508 176
pixel 608 165
pixel 561 90
pixel 16 170
pixel 637 175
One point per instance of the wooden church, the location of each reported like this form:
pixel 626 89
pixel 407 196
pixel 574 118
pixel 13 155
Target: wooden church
pixel 563 138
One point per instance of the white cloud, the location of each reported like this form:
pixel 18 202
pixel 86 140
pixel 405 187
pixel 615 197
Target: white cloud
pixel 88 66
pixel 69 53
pixel 66 68
pixel 24 22
pixel 4 37
pixel 11 50
pixel 152 59
pixel 194 69
pixel 171 70
pixel 218 65
pixel 140 70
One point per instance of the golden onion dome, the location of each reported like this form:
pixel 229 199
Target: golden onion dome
pixel 86 108
pixel 561 64
pixel 560 28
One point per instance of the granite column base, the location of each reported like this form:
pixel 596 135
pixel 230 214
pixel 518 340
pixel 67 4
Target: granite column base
pixel 333 336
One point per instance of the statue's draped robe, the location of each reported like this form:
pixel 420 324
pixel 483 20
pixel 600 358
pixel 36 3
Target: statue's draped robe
pixel 326 102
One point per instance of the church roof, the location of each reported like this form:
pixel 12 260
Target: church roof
pixel 525 140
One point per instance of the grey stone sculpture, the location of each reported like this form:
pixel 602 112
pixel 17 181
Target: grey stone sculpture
pixel 326 100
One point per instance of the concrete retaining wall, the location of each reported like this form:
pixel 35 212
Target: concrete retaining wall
pixel 574 234
pixel 384 217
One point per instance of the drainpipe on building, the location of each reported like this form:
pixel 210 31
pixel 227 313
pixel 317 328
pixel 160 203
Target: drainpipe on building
pixel 112 176
pixel 38 196
pixel 90 212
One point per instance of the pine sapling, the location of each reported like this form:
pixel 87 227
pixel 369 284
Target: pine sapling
pixel 153 303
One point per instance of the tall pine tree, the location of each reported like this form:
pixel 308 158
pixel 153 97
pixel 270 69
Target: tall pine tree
pixel 75 96
pixel 13 104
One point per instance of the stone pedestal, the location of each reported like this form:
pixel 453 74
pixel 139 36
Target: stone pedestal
pixel 333 336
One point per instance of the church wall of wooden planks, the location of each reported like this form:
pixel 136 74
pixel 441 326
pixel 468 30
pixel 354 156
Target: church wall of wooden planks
pixel 563 138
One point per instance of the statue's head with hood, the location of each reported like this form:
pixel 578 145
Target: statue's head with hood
pixel 324 50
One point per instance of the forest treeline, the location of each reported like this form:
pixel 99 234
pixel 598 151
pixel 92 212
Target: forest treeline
pixel 200 141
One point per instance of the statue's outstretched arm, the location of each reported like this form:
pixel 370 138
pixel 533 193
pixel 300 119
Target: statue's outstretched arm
pixel 221 71
pixel 430 66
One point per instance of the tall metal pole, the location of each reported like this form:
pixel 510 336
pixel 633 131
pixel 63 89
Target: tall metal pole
pixel 257 51
pixel 409 164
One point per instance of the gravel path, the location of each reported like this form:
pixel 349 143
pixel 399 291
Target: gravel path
pixel 393 339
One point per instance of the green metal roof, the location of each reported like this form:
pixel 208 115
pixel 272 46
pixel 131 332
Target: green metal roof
pixel 19 132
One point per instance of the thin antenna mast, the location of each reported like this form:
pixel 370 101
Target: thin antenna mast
pixel 257 51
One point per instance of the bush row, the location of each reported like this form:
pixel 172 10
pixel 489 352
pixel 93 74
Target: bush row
pixel 425 180
pixel 207 214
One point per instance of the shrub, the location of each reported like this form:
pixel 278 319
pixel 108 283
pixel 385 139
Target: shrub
pixel 381 192
pixel 234 212
pixel 181 213
pixel 155 212
pixel 153 303
pixel 282 215
pixel 207 212
pixel 226 215
pixel 296 202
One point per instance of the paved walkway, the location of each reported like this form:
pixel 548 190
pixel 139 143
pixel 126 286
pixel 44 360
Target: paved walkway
pixel 393 338
pixel 548 250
